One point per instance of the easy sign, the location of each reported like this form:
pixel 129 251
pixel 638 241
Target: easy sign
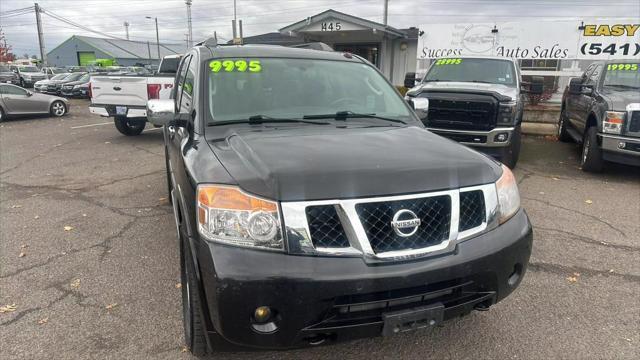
pixel 597 40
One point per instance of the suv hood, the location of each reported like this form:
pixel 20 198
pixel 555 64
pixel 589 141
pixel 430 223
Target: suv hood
pixel 619 99
pixel 314 163
pixel 504 90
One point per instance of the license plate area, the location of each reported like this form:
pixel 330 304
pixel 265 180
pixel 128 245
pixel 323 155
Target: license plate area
pixel 121 110
pixel 412 319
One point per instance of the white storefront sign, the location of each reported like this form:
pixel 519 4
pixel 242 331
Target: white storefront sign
pixel 595 40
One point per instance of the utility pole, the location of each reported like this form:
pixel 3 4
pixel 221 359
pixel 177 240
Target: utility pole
pixel 126 29
pixel 386 12
pixel 190 34
pixel 157 34
pixel 43 54
pixel 149 50
pixel 186 37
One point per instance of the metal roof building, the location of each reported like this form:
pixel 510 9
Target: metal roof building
pixel 80 50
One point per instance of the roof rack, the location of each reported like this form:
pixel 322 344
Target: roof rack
pixel 314 46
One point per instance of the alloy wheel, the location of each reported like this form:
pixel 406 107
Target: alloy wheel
pixel 58 108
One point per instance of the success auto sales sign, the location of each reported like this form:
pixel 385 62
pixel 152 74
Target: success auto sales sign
pixel 602 39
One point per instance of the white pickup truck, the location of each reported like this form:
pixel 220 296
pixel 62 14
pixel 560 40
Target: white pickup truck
pixel 124 97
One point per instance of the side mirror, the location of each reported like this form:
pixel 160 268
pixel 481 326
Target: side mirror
pixel 586 90
pixel 161 112
pixel 421 107
pixel 29 94
pixel 575 86
pixel 410 80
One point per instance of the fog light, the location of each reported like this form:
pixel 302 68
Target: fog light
pixel 501 137
pixel 262 314
pixel 622 145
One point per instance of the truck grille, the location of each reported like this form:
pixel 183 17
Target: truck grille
pixel 472 210
pixel 462 111
pixel 634 123
pixel 434 214
pixel 325 227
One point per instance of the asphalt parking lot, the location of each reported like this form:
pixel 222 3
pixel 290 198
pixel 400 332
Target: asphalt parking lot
pixel 89 258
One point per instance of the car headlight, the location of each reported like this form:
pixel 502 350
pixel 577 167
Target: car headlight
pixel 613 121
pixel 507 112
pixel 228 215
pixel 508 195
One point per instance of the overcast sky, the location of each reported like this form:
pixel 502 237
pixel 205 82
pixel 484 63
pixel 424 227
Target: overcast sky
pixel 261 16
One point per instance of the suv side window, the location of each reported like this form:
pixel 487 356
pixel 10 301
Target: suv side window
pixel 180 80
pixel 187 88
pixel 595 75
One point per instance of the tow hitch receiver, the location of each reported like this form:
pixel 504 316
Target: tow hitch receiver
pixel 411 319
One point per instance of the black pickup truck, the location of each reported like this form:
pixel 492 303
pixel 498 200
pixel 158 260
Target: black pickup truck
pixel 601 111
pixel 477 101
pixel 312 205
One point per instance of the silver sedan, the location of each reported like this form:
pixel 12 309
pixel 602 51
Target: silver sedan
pixel 15 100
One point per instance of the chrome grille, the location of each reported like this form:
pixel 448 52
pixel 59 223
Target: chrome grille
pixel 472 210
pixel 362 227
pixel 325 227
pixel 434 214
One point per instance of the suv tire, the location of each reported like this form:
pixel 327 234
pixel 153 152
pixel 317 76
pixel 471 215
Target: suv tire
pixel 591 158
pixel 194 331
pixel 512 152
pixel 563 134
pixel 129 127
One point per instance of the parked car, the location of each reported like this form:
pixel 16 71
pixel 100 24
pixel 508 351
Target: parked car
pixel 313 206
pixel 52 71
pixel 7 76
pixel 124 97
pixel 15 100
pixel 601 111
pixel 78 88
pixel 42 86
pixel 76 69
pixel 477 101
pixel 54 85
pixel 28 75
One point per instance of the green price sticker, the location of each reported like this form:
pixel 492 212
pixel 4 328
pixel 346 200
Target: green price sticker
pixel 448 61
pixel 232 65
pixel 624 67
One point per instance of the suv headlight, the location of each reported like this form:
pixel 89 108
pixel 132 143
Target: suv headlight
pixel 508 195
pixel 228 215
pixel 612 122
pixel 507 112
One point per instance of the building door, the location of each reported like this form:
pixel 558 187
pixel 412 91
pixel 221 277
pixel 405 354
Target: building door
pixel 86 57
pixel 368 51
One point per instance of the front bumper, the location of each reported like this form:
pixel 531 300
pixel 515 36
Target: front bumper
pixel 477 138
pixel 320 298
pixel 620 149
pixel 74 92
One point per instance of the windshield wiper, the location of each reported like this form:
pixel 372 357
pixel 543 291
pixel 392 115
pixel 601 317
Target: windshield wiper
pixel 343 115
pixel 261 119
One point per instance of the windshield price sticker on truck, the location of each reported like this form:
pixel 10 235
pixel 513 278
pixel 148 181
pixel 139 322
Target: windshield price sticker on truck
pixel 624 67
pixel 448 61
pixel 233 65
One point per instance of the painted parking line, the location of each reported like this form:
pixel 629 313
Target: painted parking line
pixel 90 125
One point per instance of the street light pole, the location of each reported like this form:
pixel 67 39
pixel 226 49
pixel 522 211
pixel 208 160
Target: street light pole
pixel 157 34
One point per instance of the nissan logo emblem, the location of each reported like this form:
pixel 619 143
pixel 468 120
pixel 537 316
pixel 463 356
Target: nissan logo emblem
pixel 405 223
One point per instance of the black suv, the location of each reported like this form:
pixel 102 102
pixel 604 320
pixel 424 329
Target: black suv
pixel 601 111
pixel 313 206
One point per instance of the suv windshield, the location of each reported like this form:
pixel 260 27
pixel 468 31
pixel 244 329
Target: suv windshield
pixel 625 75
pixel 29 69
pixel 292 88
pixel 492 71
